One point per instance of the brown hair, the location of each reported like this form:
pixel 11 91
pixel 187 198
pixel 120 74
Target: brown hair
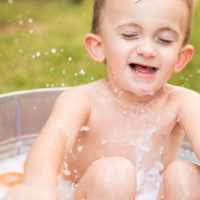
pixel 97 9
pixel 99 4
pixel 191 6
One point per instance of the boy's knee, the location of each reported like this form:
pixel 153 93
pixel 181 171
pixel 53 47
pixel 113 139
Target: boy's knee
pixel 113 173
pixel 181 179
pixel 114 168
pixel 109 178
pixel 182 169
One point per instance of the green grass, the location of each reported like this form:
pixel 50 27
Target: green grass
pixel 60 25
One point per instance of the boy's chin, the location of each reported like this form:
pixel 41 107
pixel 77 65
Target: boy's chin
pixel 142 92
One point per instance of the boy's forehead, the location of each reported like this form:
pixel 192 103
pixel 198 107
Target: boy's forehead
pixel 154 9
pixel 114 5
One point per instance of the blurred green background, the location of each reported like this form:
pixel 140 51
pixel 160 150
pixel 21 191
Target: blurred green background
pixel 41 46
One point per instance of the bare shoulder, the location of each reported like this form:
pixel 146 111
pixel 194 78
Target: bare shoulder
pixel 188 104
pixel 73 107
pixel 77 97
pixel 80 93
pixel 181 95
pixel 186 101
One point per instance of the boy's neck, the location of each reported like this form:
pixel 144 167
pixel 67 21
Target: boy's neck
pixel 131 98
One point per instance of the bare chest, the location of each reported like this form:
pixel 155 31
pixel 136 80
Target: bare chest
pixel 139 133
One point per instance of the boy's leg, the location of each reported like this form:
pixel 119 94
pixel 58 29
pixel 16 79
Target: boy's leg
pixel 112 178
pixel 181 181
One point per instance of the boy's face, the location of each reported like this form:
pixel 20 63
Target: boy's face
pixel 142 41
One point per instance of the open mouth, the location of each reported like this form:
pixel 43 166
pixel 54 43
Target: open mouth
pixel 143 70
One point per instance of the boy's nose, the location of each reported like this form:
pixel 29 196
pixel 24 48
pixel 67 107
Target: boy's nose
pixel 147 50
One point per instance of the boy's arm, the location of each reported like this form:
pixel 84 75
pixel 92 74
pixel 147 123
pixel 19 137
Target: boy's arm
pixel 58 135
pixel 189 115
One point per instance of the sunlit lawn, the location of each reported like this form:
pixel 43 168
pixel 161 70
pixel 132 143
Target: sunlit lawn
pixel 41 45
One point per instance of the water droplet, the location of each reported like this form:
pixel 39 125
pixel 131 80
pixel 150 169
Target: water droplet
pixel 20 50
pixel 82 72
pixel 84 128
pixel 115 90
pixel 69 58
pixel 30 20
pixel 34 107
pixel 104 141
pixel 124 112
pixel 37 54
pixel 80 148
pixel 53 50
pixel 64 71
pixel 66 172
pixel 51 69
pixel 31 31
pixel 20 22
pixel 157 184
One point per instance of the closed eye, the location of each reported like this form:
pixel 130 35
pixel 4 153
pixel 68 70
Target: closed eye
pixel 165 41
pixel 129 36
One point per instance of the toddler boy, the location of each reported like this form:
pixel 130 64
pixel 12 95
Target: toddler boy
pixel 120 136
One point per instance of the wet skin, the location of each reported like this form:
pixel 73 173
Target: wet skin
pixel 127 129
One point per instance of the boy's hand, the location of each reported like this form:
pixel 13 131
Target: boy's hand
pixel 24 192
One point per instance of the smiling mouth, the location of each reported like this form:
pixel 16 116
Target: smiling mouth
pixel 143 70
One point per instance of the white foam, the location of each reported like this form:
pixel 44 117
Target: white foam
pixel 15 164
pixel 85 128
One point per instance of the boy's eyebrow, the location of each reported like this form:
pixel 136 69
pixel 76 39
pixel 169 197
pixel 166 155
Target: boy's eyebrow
pixel 132 24
pixel 169 29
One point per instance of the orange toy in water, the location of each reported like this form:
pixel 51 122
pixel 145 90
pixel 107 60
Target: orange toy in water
pixel 11 179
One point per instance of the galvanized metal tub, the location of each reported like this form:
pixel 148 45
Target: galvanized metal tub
pixel 22 114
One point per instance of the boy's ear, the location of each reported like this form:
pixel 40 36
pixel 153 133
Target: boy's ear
pixel 94 47
pixel 184 57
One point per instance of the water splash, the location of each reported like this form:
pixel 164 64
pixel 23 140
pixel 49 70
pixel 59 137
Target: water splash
pixel 53 50
pixel 65 169
pixel 80 148
pixel 69 59
pixel 31 31
pixel 38 54
pixel 82 72
pixel 30 20
pixel 84 128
